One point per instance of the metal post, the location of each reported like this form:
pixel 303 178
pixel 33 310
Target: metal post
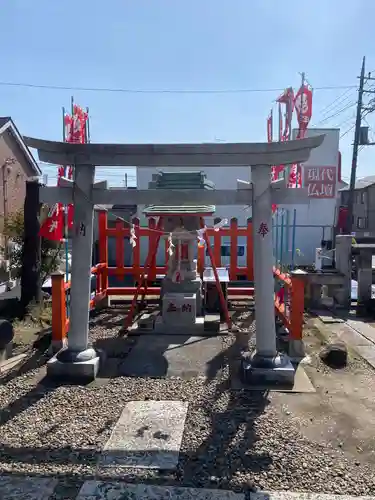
pixel 282 237
pixel 277 236
pixel 294 236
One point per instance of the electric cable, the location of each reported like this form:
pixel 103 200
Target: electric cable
pixel 160 91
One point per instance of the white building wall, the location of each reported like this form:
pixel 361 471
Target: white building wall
pixel 317 213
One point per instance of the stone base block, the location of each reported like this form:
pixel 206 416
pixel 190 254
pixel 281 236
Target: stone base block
pixel 186 286
pixel 77 370
pixel 196 328
pixel 261 370
pixel 207 326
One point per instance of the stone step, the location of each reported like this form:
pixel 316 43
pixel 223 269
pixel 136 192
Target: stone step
pixel 14 487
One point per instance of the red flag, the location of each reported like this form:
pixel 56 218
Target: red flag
pixel 79 119
pixel 269 127
pixel 53 226
pixel 287 98
pixel 75 131
pixel 280 124
pixel 303 105
pixel 77 134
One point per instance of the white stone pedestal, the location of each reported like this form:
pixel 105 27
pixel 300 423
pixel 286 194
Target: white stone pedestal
pixel 179 309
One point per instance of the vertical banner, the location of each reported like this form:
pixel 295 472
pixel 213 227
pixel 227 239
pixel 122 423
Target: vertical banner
pixel 303 107
pixel 53 228
pixel 270 127
pixel 287 98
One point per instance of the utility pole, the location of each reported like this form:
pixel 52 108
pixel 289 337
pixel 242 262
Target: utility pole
pixel 358 141
pixel 349 218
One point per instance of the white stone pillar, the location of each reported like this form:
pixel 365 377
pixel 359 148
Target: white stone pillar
pixel 78 360
pixel 343 258
pixel 364 269
pixel 263 261
pixel 81 258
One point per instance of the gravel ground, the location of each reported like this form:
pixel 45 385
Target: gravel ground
pixel 232 440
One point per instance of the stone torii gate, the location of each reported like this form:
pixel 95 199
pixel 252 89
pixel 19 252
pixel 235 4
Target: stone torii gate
pixel 81 360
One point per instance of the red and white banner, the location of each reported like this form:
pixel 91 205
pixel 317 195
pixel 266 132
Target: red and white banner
pixel 303 106
pixel 270 127
pixel 287 98
pixel 53 228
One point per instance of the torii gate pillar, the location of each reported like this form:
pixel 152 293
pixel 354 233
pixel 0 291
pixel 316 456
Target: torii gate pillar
pixel 265 364
pixel 80 360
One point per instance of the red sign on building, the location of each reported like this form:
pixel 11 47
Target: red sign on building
pixel 320 181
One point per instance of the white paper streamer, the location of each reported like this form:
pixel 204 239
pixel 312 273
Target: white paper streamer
pixel 133 237
pixel 220 224
pixel 170 245
pixel 200 233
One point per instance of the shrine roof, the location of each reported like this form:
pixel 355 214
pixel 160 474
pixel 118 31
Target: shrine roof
pixel 180 180
pixel 179 210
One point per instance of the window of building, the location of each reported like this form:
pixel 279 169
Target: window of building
pixel 225 251
pixel 363 197
pixel 362 222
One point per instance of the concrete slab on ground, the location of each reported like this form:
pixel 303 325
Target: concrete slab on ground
pixel 367 353
pixel 350 336
pixel 326 316
pixel 147 435
pixel 116 491
pixel 173 356
pixel 288 495
pixel 302 383
pixel 364 329
pixel 26 488
pixel 43 488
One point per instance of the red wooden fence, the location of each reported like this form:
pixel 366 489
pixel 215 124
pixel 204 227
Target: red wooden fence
pixel 122 231
pixel 291 311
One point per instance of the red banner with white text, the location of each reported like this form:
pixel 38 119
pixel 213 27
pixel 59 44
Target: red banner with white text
pixel 53 228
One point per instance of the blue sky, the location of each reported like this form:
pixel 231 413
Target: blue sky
pixel 173 45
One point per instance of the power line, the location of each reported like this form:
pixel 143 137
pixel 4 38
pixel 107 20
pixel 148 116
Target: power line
pixel 336 113
pixel 336 102
pixel 161 91
pixel 347 131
